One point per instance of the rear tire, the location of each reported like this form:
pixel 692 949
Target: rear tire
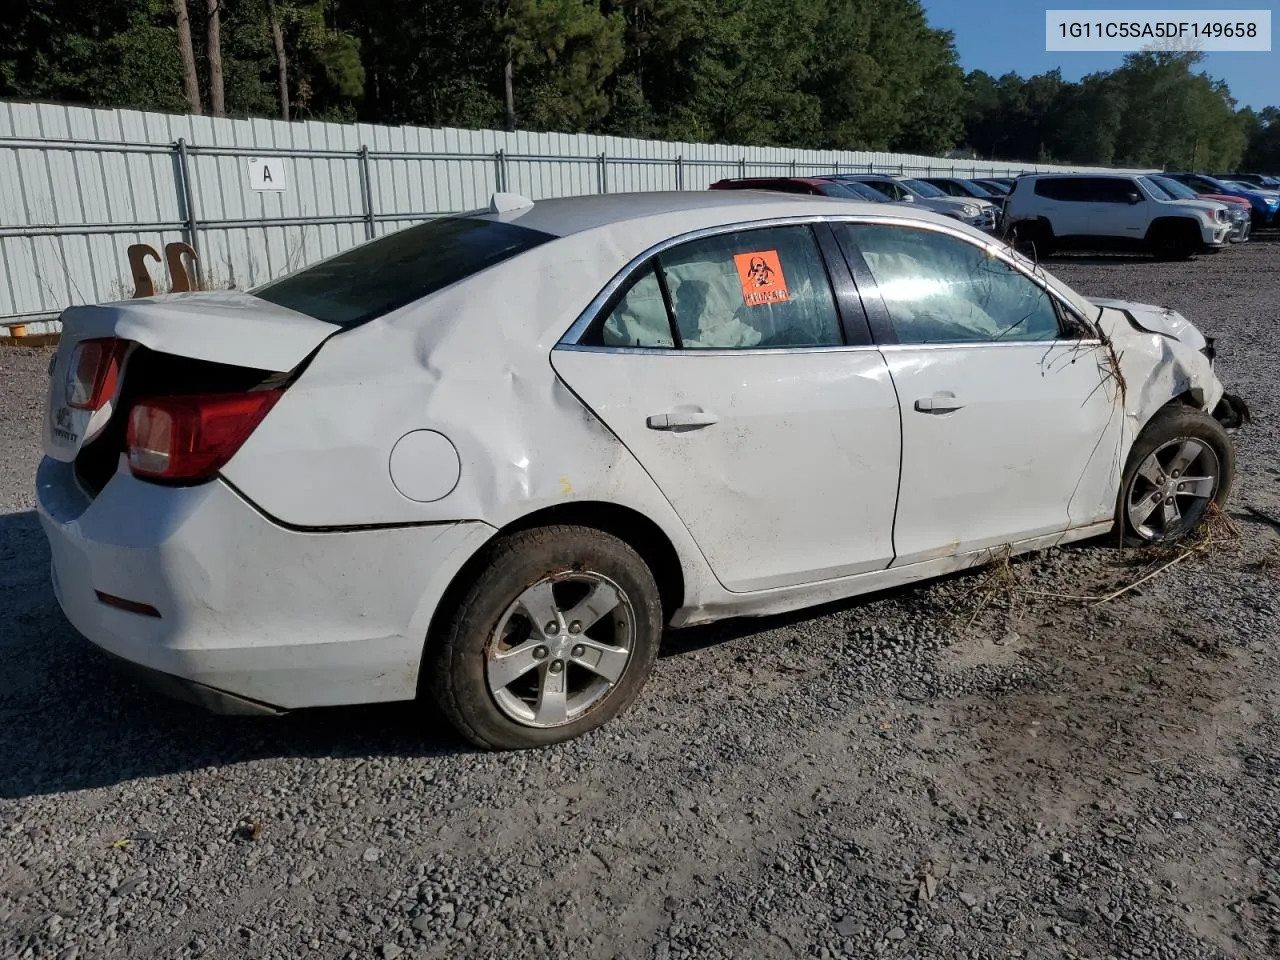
pixel 1033 238
pixel 1155 474
pixel 555 638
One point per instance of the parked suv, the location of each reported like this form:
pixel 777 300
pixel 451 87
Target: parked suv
pixel 1112 212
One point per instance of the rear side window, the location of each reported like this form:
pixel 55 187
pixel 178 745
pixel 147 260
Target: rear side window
pixel 382 275
pixel 735 291
pixel 1062 188
pixel 1086 189
pixel 758 288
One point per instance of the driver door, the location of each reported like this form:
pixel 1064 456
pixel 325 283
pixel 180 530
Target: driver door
pixel 1010 424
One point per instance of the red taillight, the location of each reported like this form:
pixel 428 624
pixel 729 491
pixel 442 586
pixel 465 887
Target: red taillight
pixel 192 437
pixel 94 372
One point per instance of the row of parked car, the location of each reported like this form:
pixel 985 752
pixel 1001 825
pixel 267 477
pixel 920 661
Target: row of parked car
pixel 1170 215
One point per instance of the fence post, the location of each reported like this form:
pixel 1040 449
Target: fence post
pixel 189 201
pixel 793 166
pixel 837 165
pixel 604 173
pixel 500 170
pixel 680 172
pixel 366 193
pixel 742 168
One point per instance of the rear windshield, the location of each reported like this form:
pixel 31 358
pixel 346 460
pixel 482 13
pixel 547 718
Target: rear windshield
pixel 379 276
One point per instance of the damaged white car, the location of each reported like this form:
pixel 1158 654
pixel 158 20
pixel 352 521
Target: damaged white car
pixel 490 458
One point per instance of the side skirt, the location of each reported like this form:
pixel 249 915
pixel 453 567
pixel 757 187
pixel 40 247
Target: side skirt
pixel 770 602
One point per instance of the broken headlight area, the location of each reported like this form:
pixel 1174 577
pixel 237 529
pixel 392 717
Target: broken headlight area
pixel 1231 411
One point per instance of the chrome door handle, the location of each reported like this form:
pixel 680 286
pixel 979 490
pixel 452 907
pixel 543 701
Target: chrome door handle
pixel 939 403
pixel 681 419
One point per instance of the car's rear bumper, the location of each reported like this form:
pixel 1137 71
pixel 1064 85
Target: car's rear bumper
pixel 246 616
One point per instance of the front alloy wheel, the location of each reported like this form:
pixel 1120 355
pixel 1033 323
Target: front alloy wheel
pixel 1181 465
pixel 1172 490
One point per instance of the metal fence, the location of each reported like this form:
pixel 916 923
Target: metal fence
pixel 78 186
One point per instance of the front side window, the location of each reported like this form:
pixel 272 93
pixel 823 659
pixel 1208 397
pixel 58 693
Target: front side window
pixel 938 288
pixel 765 288
pixel 1116 190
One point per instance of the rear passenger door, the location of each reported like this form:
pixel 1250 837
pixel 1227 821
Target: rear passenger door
pixel 738 369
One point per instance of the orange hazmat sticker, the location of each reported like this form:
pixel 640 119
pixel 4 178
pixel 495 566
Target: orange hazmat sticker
pixel 762 278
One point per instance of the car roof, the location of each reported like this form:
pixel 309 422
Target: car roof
pixel 564 216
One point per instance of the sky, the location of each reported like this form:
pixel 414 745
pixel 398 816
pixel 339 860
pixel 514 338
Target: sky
pixel 1002 35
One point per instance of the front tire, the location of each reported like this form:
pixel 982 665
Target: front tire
pixel 1171 242
pixel 1181 465
pixel 555 638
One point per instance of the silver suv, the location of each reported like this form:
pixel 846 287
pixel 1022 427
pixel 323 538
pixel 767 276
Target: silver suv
pixel 1109 212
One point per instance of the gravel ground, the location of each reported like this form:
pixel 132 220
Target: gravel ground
pixel 963 769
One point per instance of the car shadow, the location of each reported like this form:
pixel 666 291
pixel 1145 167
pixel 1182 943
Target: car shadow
pixel 71 719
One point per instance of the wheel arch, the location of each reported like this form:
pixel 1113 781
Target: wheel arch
pixel 1181 224
pixel 630 526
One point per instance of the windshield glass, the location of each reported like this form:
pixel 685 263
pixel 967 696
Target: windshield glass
pixel 384 274
pixel 1174 189
pixel 922 188
pixel 995 186
pixel 980 190
pixel 1218 186
pixel 887 188
pixel 842 190
pixel 861 191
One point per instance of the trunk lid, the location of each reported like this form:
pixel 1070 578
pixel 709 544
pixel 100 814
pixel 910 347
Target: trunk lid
pixel 226 329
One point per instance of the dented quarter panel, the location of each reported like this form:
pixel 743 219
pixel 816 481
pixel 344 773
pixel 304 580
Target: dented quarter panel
pixel 467 364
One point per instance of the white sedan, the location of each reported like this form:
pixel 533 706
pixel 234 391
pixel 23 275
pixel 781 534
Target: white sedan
pixel 491 457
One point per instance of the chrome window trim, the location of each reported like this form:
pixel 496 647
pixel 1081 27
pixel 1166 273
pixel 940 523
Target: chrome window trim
pixel 585 319
pixel 717 351
pixel 970 344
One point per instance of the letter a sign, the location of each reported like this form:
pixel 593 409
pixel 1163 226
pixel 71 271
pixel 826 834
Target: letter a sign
pixel 267 173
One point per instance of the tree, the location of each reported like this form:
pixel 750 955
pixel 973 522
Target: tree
pixel 566 49
pixel 217 91
pixel 190 79
pixel 276 27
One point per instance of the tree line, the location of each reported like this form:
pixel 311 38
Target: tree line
pixel 838 74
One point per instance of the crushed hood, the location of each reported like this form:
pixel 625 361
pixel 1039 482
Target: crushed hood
pixel 1152 319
